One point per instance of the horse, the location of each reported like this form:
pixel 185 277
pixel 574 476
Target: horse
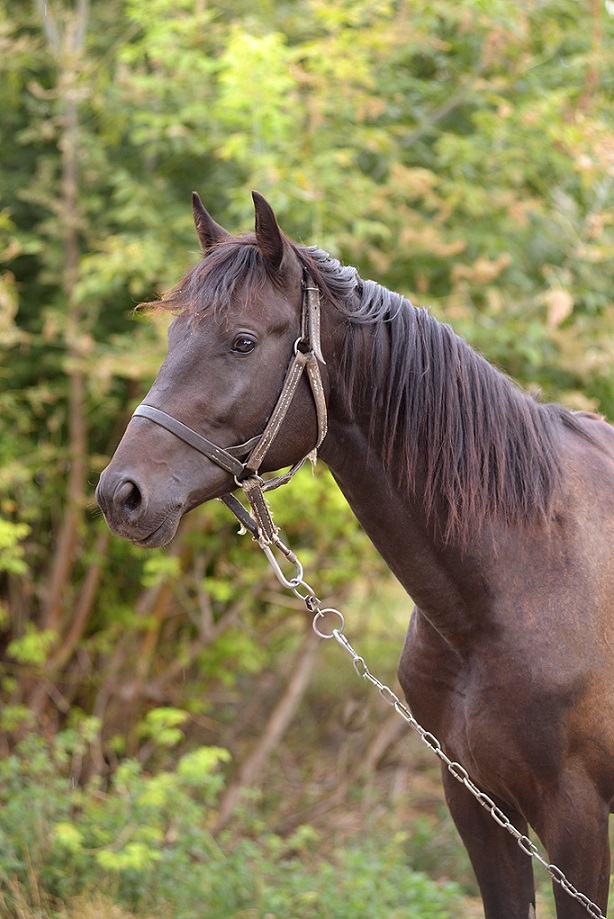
pixel 495 511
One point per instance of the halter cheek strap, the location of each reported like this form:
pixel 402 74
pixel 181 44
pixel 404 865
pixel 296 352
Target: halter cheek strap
pixel 307 358
pixel 302 361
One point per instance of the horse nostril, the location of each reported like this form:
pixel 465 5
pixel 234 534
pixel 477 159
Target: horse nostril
pixel 128 496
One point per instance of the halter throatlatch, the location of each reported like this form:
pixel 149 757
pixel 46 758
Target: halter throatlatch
pixel 306 358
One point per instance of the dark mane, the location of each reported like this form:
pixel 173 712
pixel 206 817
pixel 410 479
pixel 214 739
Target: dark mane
pixel 482 446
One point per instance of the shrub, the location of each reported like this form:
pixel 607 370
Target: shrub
pixel 146 845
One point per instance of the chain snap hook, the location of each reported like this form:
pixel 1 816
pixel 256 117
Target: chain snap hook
pixel 289 583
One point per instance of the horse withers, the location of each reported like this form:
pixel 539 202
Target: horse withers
pixel 495 512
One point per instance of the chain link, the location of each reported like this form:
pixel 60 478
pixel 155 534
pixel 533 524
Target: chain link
pixel 320 617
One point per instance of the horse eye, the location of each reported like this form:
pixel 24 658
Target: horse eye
pixel 243 344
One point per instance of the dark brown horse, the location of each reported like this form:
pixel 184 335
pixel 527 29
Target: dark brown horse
pixel 496 513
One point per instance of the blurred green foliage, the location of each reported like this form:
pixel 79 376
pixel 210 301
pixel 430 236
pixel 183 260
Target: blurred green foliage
pixel 149 847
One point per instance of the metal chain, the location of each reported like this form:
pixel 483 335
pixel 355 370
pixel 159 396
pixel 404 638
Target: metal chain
pixel 306 593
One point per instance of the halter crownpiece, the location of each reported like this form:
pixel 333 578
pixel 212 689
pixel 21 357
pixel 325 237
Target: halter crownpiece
pixel 306 358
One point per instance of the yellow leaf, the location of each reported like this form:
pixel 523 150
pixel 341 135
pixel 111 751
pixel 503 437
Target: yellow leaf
pixel 559 303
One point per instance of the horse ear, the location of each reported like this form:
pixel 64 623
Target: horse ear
pixel 209 232
pixel 268 234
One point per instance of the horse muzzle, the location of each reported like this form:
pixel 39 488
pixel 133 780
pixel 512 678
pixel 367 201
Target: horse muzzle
pixel 133 512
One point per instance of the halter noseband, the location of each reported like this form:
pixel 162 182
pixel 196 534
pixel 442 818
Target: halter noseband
pixel 307 354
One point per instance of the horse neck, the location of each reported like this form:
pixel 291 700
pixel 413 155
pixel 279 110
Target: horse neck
pixel 440 410
pixel 440 456
pixel 440 579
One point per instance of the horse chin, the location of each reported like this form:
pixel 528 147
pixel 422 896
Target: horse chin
pixel 160 536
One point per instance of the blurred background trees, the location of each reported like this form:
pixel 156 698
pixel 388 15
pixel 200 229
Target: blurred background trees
pixel 460 153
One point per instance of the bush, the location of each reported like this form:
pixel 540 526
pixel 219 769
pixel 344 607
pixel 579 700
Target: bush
pixel 146 845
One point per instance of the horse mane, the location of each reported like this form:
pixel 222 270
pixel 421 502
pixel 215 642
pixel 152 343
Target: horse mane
pixel 483 448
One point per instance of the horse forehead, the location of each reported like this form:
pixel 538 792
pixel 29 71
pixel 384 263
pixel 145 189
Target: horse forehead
pixel 269 307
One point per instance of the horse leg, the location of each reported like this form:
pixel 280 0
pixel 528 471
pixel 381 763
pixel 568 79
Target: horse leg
pixel 504 872
pixel 574 830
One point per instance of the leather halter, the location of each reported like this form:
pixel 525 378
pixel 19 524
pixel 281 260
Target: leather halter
pixel 306 357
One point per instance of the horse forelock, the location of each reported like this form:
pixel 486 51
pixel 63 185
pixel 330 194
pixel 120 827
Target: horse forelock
pixel 232 273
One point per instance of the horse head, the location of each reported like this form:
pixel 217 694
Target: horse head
pixel 239 317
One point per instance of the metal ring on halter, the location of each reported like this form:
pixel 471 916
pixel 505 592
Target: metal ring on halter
pixel 252 475
pixel 320 614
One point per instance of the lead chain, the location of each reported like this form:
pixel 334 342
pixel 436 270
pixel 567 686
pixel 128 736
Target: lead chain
pixel 320 617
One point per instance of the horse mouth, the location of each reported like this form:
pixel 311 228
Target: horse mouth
pixel 161 535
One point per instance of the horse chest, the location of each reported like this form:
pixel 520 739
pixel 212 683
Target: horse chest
pixel 493 704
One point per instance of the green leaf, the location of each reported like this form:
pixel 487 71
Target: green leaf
pixel 33 647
